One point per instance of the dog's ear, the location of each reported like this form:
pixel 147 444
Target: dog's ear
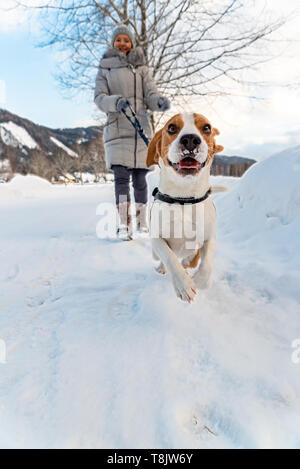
pixel 217 148
pixel 154 149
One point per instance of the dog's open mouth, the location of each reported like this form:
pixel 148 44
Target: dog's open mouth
pixel 187 165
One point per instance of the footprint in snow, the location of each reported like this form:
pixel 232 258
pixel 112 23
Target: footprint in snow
pixel 199 427
pixel 13 273
pixel 195 420
pixel 126 303
pixel 41 292
pixel 34 301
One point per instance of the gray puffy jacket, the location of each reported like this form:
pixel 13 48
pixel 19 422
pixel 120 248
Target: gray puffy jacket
pixel 125 76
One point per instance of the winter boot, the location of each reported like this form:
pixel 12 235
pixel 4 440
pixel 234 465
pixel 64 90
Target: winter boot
pixel 124 230
pixel 141 218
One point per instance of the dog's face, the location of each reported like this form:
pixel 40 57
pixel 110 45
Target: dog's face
pixel 186 144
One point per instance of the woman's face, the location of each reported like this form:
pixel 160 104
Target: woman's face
pixel 123 43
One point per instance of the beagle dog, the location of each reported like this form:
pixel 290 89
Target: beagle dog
pixel 182 216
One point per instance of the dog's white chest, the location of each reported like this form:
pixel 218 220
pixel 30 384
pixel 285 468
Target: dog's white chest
pixel 182 226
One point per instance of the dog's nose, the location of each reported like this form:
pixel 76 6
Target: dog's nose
pixel 190 141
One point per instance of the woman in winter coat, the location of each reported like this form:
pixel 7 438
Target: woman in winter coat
pixel 123 78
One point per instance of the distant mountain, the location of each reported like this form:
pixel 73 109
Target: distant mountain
pixel 230 165
pixel 26 147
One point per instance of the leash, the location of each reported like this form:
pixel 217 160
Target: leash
pixel 136 124
pixel 179 200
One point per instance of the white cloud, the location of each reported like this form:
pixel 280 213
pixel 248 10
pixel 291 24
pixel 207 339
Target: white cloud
pixel 89 122
pixel 13 17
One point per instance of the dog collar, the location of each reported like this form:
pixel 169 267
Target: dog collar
pixel 179 200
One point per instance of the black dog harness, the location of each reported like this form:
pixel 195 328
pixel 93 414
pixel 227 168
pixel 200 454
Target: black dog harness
pixel 179 200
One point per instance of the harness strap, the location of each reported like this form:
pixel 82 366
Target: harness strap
pixel 179 200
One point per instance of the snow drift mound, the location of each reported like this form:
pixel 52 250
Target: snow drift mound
pixel 267 198
pixel 25 187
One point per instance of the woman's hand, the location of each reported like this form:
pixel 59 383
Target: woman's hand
pixel 164 104
pixel 122 104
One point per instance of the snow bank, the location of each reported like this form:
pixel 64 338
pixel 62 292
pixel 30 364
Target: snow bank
pixel 13 134
pixel 24 187
pixel 267 198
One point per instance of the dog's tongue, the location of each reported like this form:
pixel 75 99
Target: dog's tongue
pixel 188 163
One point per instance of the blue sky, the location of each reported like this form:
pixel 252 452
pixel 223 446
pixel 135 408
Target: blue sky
pixel 30 88
pixel 255 129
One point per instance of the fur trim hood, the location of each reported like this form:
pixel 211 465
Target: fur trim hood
pixel 114 58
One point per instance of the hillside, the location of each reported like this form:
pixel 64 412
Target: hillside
pixel 230 165
pixel 26 147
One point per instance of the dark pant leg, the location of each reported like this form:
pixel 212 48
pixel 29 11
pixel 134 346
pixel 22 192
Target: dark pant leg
pixel 140 185
pixel 122 177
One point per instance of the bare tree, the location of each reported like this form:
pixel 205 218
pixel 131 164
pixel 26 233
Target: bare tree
pixel 81 165
pixel 96 158
pixel 6 172
pixel 63 164
pixel 194 47
pixel 41 166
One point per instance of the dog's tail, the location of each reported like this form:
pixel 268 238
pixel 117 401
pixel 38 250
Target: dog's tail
pixel 215 189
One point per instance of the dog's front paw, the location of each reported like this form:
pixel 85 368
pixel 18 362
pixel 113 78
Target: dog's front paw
pixel 202 280
pixel 184 286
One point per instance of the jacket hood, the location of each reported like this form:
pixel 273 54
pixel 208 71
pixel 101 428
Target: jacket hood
pixel 114 58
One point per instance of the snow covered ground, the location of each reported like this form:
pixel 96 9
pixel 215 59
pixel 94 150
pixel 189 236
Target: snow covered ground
pixel 100 352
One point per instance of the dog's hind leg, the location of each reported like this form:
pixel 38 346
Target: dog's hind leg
pixel 161 268
pixel 202 277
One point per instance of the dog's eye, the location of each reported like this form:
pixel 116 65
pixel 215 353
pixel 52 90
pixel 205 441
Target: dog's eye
pixel 206 129
pixel 172 129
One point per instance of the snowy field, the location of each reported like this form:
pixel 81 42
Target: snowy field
pixel 101 353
